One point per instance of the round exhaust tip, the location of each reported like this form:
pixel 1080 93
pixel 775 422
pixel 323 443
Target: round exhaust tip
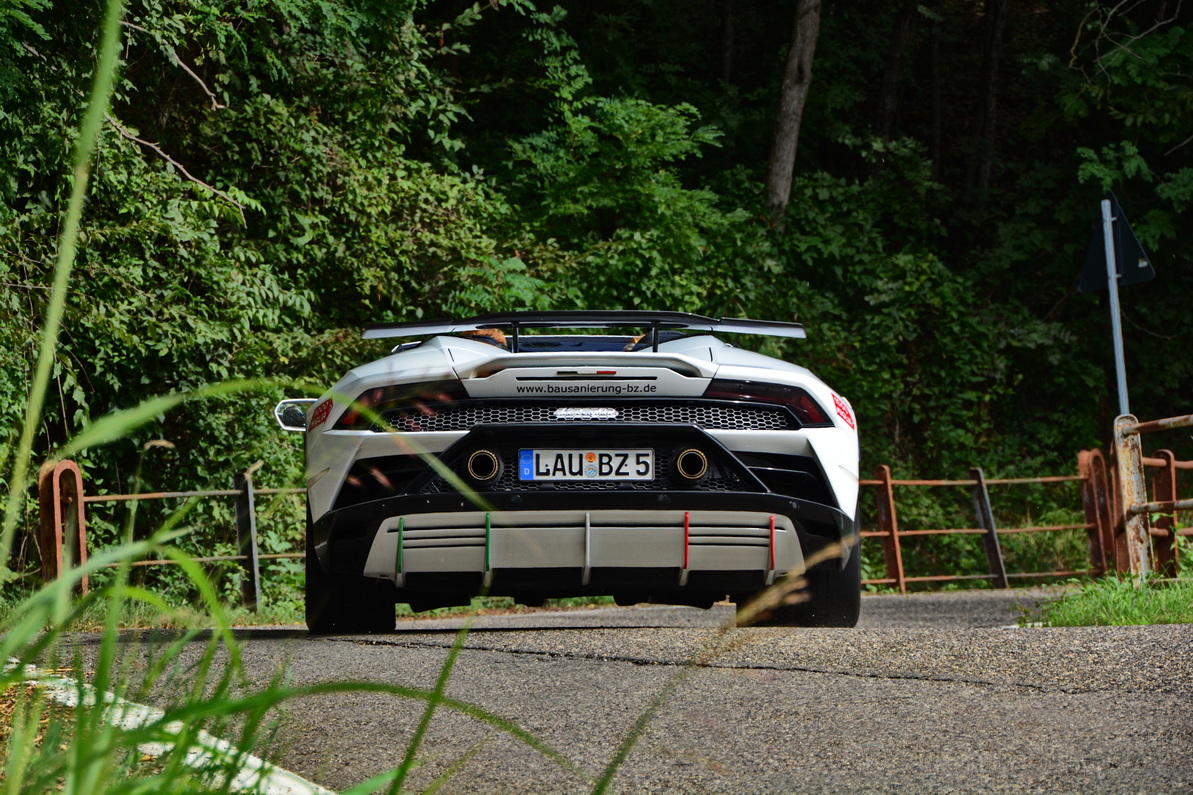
pixel 484 465
pixel 691 464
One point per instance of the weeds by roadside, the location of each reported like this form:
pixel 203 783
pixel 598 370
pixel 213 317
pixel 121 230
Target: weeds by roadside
pixel 1116 601
pixel 1120 600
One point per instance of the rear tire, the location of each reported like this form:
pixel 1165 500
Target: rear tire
pixel 834 597
pixel 343 604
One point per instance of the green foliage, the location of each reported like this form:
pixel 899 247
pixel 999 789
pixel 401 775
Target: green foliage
pixel 1136 75
pixel 275 175
pixel 18 29
pixel 280 205
pixel 604 211
pixel 637 237
pixel 914 336
pixel 1057 550
pixel 97 741
pixel 1119 601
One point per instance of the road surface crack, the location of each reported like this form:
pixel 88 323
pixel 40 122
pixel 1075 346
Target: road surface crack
pixel 913 676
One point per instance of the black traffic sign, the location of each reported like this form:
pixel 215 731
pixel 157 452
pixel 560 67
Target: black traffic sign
pixel 1130 260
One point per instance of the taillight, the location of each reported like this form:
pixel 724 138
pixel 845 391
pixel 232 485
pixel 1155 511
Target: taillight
pixel 402 402
pixel 809 412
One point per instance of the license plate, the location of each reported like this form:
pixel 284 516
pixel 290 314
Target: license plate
pixel 586 464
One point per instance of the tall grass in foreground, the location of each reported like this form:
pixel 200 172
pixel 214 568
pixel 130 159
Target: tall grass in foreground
pixel 95 739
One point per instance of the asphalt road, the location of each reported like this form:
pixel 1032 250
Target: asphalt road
pixel 930 694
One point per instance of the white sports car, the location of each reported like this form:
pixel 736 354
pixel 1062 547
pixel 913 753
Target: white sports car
pixel 525 455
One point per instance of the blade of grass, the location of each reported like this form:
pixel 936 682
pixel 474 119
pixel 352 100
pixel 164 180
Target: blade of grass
pixel 712 648
pixel 166 725
pixel 92 727
pixel 21 631
pixel 25 724
pixel 118 424
pixel 433 702
pixel 455 767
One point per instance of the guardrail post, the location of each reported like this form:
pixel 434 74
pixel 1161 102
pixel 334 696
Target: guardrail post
pixel 62 519
pixel 1164 531
pixel 246 534
pixel 1129 456
pixel 1118 529
pixel 1095 500
pixel 981 506
pixel 888 525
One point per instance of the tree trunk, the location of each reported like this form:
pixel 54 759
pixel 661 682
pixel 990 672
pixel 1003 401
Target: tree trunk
pixel 982 158
pixel 727 42
pixel 797 77
pixel 937 135
pixel 888 101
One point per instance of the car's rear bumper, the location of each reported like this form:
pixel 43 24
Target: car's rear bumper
pixel 568 543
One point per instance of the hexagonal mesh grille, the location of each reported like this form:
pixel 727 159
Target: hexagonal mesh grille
pixel 709 416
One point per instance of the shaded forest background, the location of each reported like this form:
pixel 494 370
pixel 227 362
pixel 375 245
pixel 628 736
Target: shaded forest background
pixel 277 174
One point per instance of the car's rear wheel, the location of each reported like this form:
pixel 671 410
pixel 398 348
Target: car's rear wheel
pixel 834 598
pixel 339 603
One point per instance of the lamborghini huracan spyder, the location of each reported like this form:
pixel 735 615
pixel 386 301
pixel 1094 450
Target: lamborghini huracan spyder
pixel 549 454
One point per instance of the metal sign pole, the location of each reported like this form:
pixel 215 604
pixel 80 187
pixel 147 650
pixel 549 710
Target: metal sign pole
pixel 1116 322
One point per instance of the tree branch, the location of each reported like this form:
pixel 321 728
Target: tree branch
pixel 1178 146
pixel 24 286
pixel 1104 34
pixel 215 102
pixel 124 132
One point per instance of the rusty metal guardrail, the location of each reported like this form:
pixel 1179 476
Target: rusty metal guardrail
pixel 891 534
pixel 63 523
pixel 1102 500
pixel 1133 509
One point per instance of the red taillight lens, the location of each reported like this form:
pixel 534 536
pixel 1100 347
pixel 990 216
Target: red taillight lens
pixel 411 400
pixel 808 411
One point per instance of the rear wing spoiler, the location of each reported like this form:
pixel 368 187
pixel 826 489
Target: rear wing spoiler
pixel 655 321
